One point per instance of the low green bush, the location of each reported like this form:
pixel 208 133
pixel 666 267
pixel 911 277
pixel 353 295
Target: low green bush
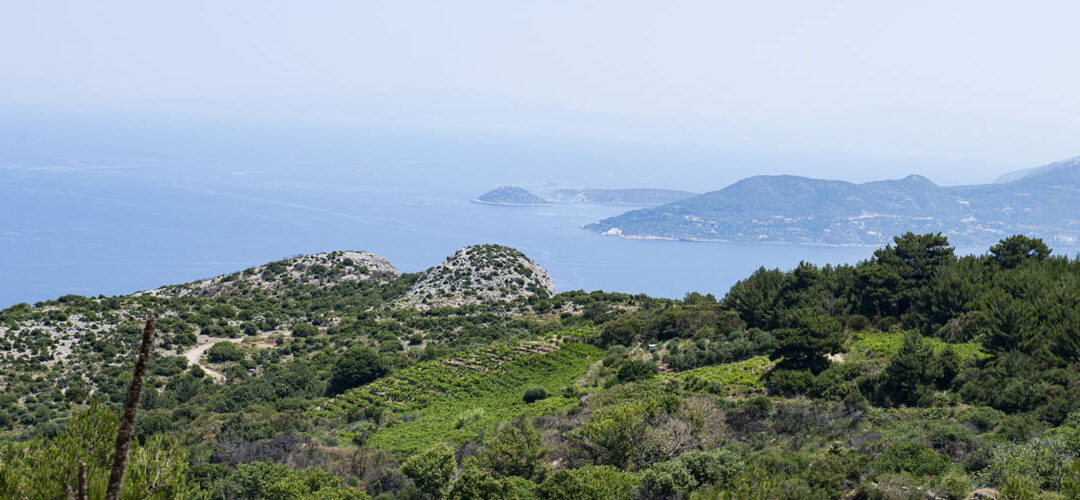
pixel 535 393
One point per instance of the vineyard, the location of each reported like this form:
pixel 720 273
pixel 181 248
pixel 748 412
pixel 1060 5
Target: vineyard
pixel 738 378
pixel 458 397
pixel 881 346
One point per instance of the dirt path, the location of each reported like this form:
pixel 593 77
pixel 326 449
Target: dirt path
pixel 195 354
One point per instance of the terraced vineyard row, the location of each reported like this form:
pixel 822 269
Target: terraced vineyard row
pixel 740 377
pixel 487 398
pixel 474 373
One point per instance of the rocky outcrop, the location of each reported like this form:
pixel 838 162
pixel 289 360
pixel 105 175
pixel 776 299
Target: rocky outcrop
pixel 480 274
pixel 323 269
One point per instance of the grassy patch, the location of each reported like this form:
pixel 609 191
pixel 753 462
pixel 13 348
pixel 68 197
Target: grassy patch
pixel 741 377
pixel 879 345
pixel 459 398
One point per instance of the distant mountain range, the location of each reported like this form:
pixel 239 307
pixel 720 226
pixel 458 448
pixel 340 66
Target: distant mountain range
pixel 1042 202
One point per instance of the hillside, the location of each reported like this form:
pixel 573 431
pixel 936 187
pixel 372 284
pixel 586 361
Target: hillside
pixel 75 347
pixel 916 372
pixel 790 209
pixel 322 270
pixel 441 392
pixel 481 274
pixel 643 196
pixel 510 195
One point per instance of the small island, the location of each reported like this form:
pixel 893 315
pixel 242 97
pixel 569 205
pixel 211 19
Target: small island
pixel 510 195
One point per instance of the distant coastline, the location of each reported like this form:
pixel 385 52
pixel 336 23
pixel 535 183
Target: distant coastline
pixel 807 211
pixel 509 204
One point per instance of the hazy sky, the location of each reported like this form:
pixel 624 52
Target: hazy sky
pixel 976 81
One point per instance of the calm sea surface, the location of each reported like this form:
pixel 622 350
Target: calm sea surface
pixel 90 212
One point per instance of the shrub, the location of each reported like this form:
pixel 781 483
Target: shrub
pixel 1018 488
pixel 616 354
pixel 302 330
pixel 535 393
pixel 168 366
pixel 356 366
pixel 223 352
pixel 790 382
pixel 514 450
pixel 593 482
pixel 669 479
pixel 430 469
pixel 916 459
pixel 954 486
pixel 475 483
pixel 562 485
pixel 223 311
pixel 636 369
pixel 45 468
pixel 75 394
pixel 715 467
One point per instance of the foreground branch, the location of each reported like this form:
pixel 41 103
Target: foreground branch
pixel 127 426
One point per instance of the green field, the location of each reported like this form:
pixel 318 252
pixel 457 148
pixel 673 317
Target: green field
pixel 881 345
pixel 741 377
pixel 464 396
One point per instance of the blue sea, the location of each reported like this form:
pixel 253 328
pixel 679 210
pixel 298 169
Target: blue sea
pixel 97 207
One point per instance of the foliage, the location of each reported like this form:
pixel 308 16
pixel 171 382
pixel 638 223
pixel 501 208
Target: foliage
pixel 1016 249
pixel 717 467
pixel 273 481
pixel 223 352
pixel 432 415
pixel 588 483
pixel 743 377
pixel 431 469
pixel 910 374
pixel 667 480
pixel 533 394
pixel 636 369
pixel 476 483
pixel 954 486
pixel 631 433
pixel 45 467
pixel 913 371
pixel 1018 488
pixel 302 330
pixel 357 366
pixel 514 450
pixel 805 338
pixel 911 458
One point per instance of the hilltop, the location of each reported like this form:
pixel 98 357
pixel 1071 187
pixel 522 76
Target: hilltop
pixel 510 195
pixel 479 275
pixel 322 270
pixel 73 341
pixel 791 209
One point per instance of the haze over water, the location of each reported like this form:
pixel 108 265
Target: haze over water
pixel 135 154
pixel 98 211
